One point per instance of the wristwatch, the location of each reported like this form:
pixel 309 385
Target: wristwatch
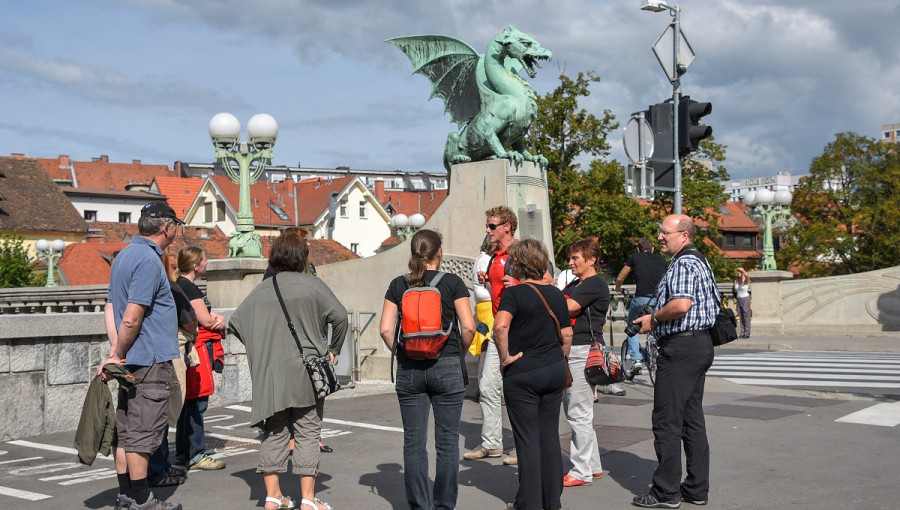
pixel 653 321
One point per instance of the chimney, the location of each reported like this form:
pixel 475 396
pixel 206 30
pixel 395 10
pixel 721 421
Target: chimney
pixel 64 161
pixel 136 162
pixel 379 190
pixel 18 155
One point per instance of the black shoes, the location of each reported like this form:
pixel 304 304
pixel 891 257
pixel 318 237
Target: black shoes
pixel 693 501
pixel 650 501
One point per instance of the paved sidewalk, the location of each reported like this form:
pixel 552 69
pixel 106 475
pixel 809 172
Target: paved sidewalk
pixel 868 342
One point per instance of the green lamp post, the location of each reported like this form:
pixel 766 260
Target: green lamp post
pixel 773 207
pixel 49 253
pixel 225 133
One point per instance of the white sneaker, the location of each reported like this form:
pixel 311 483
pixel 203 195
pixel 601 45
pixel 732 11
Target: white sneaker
pixel 637 367
pixel 612 389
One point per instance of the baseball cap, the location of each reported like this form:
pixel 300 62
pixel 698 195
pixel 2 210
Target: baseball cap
pixel 160 209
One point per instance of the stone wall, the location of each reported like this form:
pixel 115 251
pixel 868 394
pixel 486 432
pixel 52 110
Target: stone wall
pixel 47 361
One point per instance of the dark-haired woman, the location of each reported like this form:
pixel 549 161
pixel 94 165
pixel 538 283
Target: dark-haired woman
pixel 284 401
pixel 588 299
pixel 533 362
pixel 425 384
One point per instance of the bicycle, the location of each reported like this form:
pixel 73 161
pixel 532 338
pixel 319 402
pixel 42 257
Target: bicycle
pixel 649 352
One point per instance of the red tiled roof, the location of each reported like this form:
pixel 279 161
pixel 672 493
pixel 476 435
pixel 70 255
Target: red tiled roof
pixel 100 173
pixel 32 201
pixel 412 202
pixel 179 192
pixel 88 263
pixel 263 193
pixel 315 194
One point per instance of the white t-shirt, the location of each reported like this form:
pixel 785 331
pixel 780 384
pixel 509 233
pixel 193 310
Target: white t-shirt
pixel 481 264
pixel 565 277
pixel 742 290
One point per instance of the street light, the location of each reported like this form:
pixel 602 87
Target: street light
pixel 678 67
pixel 49 253
pixel 225 133
pixel 773 207
pixel 405 226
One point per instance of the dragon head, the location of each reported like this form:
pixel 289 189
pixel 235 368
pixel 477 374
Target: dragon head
pixel 523 48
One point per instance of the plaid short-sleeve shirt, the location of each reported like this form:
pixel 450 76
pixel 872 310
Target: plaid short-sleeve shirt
pixel 688 277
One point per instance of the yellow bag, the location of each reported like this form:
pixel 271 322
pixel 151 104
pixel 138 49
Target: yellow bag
pixel 483 315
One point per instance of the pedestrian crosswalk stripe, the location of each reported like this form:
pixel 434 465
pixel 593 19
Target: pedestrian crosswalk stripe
pixel 810 368
pixel 885 414
pixel 18 493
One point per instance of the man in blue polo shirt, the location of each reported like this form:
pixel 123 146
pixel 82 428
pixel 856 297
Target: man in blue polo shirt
pixel 145 340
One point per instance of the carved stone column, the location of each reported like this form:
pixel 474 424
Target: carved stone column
pixel 766 301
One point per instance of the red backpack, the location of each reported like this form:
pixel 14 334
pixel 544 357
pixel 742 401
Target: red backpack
pixel 420 334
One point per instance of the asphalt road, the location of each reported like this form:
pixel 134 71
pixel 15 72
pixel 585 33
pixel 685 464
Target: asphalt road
pixel 773 446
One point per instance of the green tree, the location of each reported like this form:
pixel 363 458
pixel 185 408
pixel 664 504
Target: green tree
pixel 585 203
pixel 15 268
pixel 847 210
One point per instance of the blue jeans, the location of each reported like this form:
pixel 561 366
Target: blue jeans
pixel 634 342
pixel 190 438
pixel 423 385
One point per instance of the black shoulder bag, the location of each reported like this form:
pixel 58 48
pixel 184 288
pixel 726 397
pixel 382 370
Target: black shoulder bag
pixel 320 369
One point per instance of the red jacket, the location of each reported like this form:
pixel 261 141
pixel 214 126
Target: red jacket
pixel 199 379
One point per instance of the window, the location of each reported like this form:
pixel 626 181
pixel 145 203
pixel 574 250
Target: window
pixel 279 212
pixel 887 135
pixel 729 239
pixel 354 247
pixel 362 208
pixel 748 242
pixel 90 215
pixel 124 217
pixel 220 210
pixel 208 212
pixel 343 209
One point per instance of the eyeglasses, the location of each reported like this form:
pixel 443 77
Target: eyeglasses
pixel 665 234
pixel 493 226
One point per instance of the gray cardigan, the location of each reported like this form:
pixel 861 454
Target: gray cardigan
pixel 279 378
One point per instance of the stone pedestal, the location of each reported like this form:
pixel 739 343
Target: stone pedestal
pixel 228 281
pixel 766 301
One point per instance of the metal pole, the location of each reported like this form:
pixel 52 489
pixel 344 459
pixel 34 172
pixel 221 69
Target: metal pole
pixel 642 158
pixel 676 98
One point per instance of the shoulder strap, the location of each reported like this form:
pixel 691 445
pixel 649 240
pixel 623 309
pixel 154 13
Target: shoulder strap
pixel 693 251
pixel 286 316
pixel 434 281
pixel 547 306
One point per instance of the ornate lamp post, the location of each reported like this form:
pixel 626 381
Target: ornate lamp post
pixel 49 253
pixel 405 227
pixel 225 132
pixel 773 207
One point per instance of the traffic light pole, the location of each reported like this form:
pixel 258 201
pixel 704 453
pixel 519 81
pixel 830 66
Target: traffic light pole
pixel 676 98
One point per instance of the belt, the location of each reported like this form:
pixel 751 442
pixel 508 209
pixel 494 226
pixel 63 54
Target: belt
pixel 693 332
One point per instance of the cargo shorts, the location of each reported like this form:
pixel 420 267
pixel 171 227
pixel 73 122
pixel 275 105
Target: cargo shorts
pixel 143 411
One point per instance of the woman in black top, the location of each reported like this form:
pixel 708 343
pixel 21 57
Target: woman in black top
pixel 588 299
pixel 534 373
pixel 437 383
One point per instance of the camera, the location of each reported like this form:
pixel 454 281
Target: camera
pixel 633 329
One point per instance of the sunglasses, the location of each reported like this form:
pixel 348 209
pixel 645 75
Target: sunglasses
pixel 493 226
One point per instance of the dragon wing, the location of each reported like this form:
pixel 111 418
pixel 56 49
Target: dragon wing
pixel 450 65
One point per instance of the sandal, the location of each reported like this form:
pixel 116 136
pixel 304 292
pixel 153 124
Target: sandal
pixel 169 481
pixel 285 503
pixel 317 504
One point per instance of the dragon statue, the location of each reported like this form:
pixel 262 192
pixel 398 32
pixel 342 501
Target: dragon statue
pixel 483 94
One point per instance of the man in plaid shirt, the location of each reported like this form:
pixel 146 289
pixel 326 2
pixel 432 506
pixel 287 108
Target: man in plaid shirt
pixel 686 308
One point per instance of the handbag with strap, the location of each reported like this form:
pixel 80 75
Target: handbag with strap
pixel 603 367
pixel 320 370
pixel 569 378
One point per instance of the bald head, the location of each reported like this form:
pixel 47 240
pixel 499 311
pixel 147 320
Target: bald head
pixel 675 232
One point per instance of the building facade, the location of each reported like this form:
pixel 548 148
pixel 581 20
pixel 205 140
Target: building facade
pixel 782 180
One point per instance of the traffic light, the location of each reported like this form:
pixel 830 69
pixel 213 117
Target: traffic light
pixel 660 118
pixel 690 131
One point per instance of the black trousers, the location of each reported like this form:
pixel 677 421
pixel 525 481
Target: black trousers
pixel 533 401
pixel 678 416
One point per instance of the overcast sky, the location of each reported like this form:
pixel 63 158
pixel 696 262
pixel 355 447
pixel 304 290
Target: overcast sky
pixel 140 79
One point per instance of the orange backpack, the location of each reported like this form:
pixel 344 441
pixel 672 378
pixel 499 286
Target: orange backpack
pixel 420 334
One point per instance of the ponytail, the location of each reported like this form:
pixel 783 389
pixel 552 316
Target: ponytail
pixel 423 248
